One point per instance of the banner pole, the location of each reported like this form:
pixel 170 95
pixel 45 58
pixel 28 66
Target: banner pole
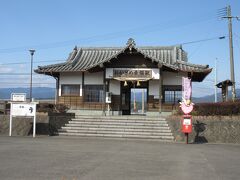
pixel 10 120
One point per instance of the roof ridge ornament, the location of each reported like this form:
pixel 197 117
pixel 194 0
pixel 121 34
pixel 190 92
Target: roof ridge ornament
pixel 131 43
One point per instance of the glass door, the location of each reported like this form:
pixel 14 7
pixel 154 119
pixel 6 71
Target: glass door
pixel 138 100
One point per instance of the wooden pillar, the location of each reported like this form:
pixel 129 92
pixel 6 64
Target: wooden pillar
pixel 104 92
pixel 57 90
pixel 160 89
pixel 143 101
pixel 83 95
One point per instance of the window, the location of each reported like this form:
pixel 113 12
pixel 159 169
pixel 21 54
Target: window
pixel 93 93
pixel 178 96
pixel 172 96
pixel 169 96
pixel 70 90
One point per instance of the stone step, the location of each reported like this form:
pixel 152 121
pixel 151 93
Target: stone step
pixel 119 126
pixel 165 138
pixel 158 118
pixel 117 132
pixel 117 129
pixel 116 126
pixel 120 120
pixel 119 123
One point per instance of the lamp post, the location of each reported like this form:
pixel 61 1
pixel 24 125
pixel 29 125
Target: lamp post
pixel 32 51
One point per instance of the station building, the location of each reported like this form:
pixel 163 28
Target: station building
pixel 123 80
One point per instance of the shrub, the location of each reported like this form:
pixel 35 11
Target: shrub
pixel 48 107
pixel 61 108
pixel 211 109
pixel 221 108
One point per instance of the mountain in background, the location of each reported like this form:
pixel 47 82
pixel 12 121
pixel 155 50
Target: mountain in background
pixel 37 92
pixel 49 93
pixel 211 98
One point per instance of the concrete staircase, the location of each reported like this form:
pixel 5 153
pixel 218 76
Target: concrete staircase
pixel 118 126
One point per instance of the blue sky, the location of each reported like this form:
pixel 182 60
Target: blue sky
pixel 54 27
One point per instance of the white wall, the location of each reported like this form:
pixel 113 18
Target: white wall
pixel 154 88
pixel 170 78
pixel 76 78
pixel 93 78
pixel 70 78
pixel 114 87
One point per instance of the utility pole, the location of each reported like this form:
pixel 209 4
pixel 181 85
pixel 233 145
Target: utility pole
pixel 215 80
pixel 230 17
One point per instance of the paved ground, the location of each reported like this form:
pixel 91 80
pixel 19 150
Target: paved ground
pixel 109 159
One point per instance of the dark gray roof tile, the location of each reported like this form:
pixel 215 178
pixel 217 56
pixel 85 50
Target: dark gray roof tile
pixel 82 59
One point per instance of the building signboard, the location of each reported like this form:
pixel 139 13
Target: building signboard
pixel 18 97
pixel 132 73
pixel 135 73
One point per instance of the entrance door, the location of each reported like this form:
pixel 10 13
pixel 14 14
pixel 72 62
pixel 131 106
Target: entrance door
pixel 125 99
pixel 138 100
pixel 133 98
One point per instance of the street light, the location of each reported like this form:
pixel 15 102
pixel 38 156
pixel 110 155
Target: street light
pixel 32 53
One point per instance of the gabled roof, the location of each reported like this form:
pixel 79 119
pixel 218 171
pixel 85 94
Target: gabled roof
pixel 224 83
pixel 83 59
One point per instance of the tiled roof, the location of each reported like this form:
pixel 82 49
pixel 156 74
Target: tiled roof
pixel 82 59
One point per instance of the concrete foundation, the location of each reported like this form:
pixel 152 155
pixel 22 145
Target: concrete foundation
pixel 213 129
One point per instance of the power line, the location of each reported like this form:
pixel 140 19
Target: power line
pixel 141 30
pixel 24 83
pixel 202 40
pixel 27 62
pixel 184 43
pixel 18 74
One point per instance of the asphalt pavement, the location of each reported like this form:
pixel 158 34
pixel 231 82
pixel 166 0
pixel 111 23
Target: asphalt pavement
pixel 67 158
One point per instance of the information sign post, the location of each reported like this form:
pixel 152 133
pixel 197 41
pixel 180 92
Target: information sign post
pixel 23 109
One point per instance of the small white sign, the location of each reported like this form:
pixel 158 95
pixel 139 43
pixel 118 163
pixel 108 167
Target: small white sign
pixel 21 109
pixel 186 121
pixel 108 97
pixel 18 97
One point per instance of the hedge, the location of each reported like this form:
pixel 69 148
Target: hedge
pixel 220 108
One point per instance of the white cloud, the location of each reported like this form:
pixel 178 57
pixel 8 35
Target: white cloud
pixel 5 69
pixel 22 66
